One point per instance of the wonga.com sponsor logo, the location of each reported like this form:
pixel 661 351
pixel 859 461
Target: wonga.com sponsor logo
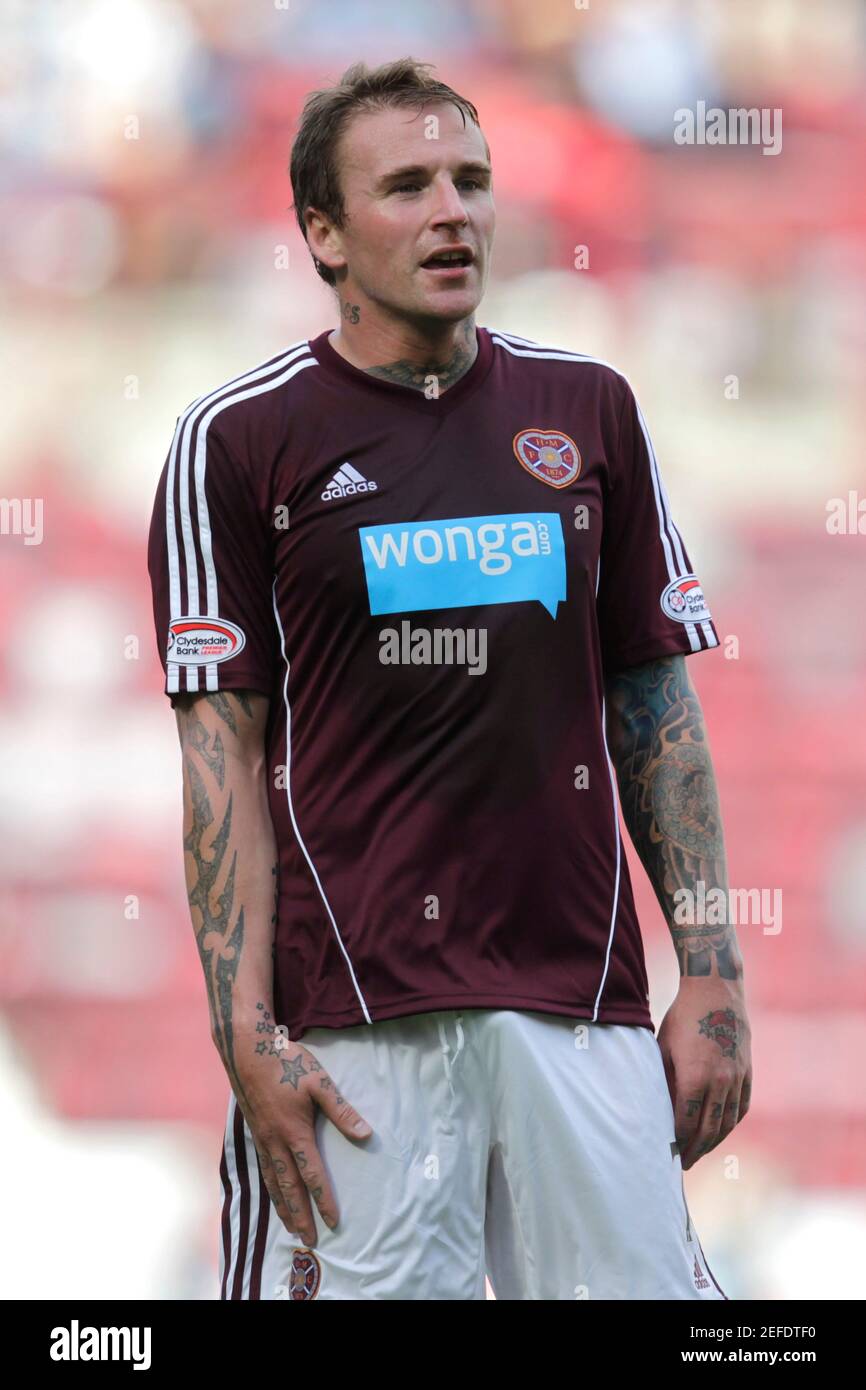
pixel 462 561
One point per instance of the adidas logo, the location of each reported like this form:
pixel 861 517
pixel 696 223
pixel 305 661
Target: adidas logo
pixel 346 481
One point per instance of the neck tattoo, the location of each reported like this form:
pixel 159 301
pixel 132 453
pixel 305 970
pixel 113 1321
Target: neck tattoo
pixel 432 377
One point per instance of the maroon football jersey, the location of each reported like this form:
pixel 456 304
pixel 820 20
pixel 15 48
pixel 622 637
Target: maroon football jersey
pixel 431 590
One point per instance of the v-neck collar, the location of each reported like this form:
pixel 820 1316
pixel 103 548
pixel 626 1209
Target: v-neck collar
pixel 409 395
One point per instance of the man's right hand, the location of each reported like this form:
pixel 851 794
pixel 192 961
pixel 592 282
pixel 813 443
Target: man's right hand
pixel 283 1084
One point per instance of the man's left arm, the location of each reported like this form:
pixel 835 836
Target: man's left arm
pixel 658 745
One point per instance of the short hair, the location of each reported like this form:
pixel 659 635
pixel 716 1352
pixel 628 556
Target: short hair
pixel 314 170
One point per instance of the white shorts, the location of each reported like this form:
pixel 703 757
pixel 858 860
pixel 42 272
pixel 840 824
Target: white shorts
pixel 534 1148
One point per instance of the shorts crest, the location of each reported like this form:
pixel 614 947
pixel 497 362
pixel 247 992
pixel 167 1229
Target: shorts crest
pixel 305 1275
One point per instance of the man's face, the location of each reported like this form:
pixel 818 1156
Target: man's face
pixel 413 183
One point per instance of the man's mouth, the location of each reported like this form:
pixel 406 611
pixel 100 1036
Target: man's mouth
pixel 449 262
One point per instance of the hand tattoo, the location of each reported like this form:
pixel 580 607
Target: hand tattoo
pixel 724 1027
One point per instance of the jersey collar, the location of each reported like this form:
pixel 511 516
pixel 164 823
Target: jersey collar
pixel 332 361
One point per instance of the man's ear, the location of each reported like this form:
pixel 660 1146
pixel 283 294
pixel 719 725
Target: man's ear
pixel 323 237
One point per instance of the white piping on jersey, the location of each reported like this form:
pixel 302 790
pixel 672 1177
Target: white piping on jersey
pixel 361 999
pixel 671 540
pixel 615 906
pixel 218 401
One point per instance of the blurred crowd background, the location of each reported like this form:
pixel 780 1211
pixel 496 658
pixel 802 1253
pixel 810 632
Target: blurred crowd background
pixel 149 252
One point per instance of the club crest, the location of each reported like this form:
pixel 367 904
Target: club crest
pixel 305 1276
pixel 549 455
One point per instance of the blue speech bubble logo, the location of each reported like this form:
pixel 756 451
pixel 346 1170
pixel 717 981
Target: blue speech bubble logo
pixel 465 560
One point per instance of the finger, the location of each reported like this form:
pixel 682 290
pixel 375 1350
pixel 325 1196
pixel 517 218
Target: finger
pixel 287 1206
pixel 736 1106
pixel 265 1146
pixel 326 1094
pixel 310 1165
pixel 705 1135
pixel 712 1126
pixel 670 1075
pixel 287 1192
pixel 732 1113
pixel 745 1095
pixel 688 1108
pixel 296 1190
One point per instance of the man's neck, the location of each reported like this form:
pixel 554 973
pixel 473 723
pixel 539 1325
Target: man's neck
pixel 414 363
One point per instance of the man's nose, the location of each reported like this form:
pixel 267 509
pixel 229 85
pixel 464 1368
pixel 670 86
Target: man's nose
pixel 450 206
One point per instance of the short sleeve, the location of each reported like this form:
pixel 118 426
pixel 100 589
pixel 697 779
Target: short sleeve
pixel 210 562
pixel 649 600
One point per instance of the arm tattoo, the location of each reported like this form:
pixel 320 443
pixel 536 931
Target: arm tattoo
pixel 197 737
pixel 219 940
pixel 223 706
pixel 669 801
pixel 220 935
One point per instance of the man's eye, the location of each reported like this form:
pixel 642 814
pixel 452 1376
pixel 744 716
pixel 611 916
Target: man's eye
pixel 403 187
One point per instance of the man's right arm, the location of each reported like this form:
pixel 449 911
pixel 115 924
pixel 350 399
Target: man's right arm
pixel 230 862
pixel 231 865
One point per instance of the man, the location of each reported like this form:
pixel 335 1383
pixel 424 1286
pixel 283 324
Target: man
pixel 409 571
